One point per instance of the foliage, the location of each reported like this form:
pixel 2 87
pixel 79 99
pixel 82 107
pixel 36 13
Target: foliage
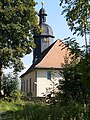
pixel 16 95
pixel 74 48
pixel 24 110
pixel 77 13
pixel 38 111
pixel 72 99
pixel 69 111
pixel 73 86
pixel 10 106
pixel 18 22
pixel 84 68
pixel 10 84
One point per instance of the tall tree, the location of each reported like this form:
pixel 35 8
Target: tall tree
pixel 18 22
pixel 77 13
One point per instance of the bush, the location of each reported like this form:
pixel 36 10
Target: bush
pixel 10 84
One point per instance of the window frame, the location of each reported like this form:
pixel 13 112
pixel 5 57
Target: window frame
pixel 49 76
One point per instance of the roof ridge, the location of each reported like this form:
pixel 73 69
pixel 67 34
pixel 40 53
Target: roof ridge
pixel 43 54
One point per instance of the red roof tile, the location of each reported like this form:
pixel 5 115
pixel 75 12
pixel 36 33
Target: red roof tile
pixel 52 57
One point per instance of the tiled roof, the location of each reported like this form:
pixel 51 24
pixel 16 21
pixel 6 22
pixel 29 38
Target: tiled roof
pixel 52 57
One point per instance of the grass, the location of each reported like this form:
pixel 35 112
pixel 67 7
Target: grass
pixel 23 111
pixel 10 106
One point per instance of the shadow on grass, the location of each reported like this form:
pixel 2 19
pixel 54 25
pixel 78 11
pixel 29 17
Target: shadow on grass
pixel 28 112
pixel 11 115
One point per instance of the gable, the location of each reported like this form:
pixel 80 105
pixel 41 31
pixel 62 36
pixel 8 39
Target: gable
pixel 54 57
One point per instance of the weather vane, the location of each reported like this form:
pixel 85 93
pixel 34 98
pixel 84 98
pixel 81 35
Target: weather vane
pixel 42 3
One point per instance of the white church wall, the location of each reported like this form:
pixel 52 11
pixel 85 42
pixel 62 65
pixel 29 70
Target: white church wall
pixel 28 84
pixel 44 85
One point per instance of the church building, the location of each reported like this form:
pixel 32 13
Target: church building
pixel 48 57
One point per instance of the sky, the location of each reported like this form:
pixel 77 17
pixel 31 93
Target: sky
pixel 57 23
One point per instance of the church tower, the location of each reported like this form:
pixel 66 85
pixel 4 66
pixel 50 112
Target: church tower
pixel 45 38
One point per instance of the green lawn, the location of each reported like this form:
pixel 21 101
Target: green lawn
pixel 23 111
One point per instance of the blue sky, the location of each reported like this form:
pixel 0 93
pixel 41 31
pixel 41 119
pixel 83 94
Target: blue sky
pixel 58 24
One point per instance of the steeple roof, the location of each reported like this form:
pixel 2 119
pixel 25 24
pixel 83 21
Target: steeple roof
pixel 46 29
pixel 42 16
pixel 42 11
